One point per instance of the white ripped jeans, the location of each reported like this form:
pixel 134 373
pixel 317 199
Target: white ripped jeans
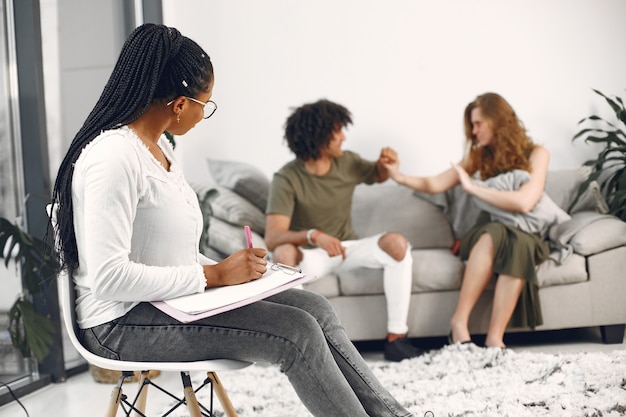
pixel 365 253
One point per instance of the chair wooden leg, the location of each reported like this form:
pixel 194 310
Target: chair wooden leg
pixel 190 396
pixel 116 397
pixel 229 410
pixel 114 404
pixel 142 396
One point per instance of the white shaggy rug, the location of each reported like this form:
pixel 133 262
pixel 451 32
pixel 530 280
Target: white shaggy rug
pixel 462 380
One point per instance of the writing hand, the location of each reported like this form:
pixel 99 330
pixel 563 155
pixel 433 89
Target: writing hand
pixel 242 266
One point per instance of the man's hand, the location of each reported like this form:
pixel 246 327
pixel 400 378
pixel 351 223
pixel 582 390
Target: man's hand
pixel 331 244
pixel 242 266
pixel 388 157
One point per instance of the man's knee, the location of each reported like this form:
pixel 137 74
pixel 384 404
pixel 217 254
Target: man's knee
pixel 287 254
pixel 394 244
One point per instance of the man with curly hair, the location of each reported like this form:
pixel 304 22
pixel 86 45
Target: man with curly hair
pixel 309 223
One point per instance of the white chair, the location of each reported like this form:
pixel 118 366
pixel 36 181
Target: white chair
pixel 138 405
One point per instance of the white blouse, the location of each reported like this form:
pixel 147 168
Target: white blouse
pixel 137 228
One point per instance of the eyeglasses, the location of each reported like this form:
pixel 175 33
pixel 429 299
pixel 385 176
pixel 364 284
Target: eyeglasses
pixel 209 107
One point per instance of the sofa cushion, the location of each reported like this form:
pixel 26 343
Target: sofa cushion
pixel 328 286
pixel 433 270
pixel 436 270
pixel 391 208
pixel 551 272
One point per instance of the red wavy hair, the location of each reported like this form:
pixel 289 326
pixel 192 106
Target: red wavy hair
pixel 510 146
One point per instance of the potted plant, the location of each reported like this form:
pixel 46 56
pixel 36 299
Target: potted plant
pixel 31 332
pixel 609 167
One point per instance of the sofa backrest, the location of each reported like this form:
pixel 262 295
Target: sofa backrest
pixel 392 208
pixel 562 186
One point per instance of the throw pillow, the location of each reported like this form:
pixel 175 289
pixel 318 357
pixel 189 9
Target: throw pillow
pixel 205 199
pixel 576 235
pixel 590 200
pixel 234 209
pixel 227 238
pixel 543 215
pixel 462 211
pixel 607 233
pixel 242 178
pixel 562 186
pixel 213 254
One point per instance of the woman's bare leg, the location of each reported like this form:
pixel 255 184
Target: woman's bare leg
pixel 507 292
pixel 478 273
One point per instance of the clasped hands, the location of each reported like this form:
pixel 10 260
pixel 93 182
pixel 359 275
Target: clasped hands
pixel 388 156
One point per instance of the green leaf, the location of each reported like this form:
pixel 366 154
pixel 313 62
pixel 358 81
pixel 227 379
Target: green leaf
pixel 31 333
pixel 615 105
pixel 613 154
pixel 37 261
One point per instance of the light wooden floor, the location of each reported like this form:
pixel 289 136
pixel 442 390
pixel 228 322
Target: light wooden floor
pixel 80 395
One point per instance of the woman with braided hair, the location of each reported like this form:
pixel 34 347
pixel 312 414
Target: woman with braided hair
pixel 129 227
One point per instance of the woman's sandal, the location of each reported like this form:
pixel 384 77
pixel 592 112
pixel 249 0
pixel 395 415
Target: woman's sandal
pixel 496 347
pixel 452 342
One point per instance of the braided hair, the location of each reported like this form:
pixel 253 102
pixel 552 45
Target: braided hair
pixel 310 127
pixel 156 63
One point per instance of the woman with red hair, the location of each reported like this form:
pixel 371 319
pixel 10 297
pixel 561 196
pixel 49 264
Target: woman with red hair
pixel 497 144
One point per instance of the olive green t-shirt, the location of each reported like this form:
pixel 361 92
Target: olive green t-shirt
pixel 320 202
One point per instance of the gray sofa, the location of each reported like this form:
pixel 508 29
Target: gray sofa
pixel 588 288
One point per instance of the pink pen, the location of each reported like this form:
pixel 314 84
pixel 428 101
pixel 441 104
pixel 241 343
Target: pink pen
pixel 248 236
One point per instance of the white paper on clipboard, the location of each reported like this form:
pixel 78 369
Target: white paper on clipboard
pixel 213 301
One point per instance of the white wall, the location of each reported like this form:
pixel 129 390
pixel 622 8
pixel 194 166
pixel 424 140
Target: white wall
pixel 405 68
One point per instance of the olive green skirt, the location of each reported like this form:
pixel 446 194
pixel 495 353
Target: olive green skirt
pixel 517 253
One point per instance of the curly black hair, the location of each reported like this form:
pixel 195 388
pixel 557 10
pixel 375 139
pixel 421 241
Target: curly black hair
pixel 310 127
pixel 156 63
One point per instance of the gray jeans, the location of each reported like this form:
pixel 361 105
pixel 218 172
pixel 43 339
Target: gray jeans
pixel 296 329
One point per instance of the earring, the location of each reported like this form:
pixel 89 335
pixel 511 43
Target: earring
pixel 178 118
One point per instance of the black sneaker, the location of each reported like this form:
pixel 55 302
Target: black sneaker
pixel 401 349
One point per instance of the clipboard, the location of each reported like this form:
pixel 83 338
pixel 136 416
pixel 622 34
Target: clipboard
pixel 212 301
